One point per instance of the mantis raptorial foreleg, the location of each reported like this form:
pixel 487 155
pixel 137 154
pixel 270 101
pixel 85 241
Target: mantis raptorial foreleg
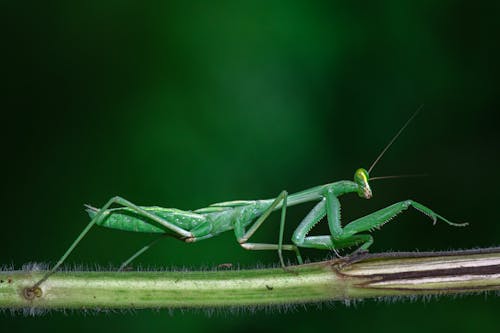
pixel 348 236
pixel 384 215
pixel 243 236
pixel 329 206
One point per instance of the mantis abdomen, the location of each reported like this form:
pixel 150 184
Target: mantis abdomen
pixel 127 220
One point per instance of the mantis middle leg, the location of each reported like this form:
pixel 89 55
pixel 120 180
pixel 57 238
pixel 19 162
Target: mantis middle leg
pixel 242 236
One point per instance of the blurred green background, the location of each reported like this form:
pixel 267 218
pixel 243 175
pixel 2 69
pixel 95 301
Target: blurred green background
pixel 186 103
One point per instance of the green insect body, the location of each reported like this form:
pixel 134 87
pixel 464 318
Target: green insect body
pixel 203 222
pixel 127 220
pixel 208 221
pixel 244 217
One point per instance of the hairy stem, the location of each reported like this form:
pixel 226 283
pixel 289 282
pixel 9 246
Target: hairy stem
pixel 363 276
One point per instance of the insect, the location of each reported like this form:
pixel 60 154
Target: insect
pixel 244 217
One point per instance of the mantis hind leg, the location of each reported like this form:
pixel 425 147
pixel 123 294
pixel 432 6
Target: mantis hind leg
pixel 243 236
pixel 115 200
pixel 140 251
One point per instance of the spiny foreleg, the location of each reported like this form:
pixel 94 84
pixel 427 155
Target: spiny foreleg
pixel 380 217
pixel 329 206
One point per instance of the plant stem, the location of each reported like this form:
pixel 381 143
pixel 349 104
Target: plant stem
pixel 363 276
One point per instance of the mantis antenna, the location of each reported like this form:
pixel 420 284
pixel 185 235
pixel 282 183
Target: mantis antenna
pixel 399 176
pixel 394 139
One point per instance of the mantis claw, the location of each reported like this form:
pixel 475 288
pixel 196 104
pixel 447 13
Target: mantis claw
pixel 435 216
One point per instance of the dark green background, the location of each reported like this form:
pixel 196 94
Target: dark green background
pixel 192 102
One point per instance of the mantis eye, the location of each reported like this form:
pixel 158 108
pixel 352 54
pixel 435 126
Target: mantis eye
pixel 361 178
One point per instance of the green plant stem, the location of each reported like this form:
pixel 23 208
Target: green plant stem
pixel 374 275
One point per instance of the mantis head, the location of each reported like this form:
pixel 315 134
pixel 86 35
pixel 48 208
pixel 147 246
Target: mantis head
pixel 361 178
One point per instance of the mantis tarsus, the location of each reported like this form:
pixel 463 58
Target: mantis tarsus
pixel 246 216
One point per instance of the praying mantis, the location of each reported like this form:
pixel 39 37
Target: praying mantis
pixel 245 217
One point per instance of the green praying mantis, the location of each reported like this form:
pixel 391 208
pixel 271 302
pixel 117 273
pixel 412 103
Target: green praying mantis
pixel 246 216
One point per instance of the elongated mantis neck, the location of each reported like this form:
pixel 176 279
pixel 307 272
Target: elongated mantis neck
pixel 317 193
